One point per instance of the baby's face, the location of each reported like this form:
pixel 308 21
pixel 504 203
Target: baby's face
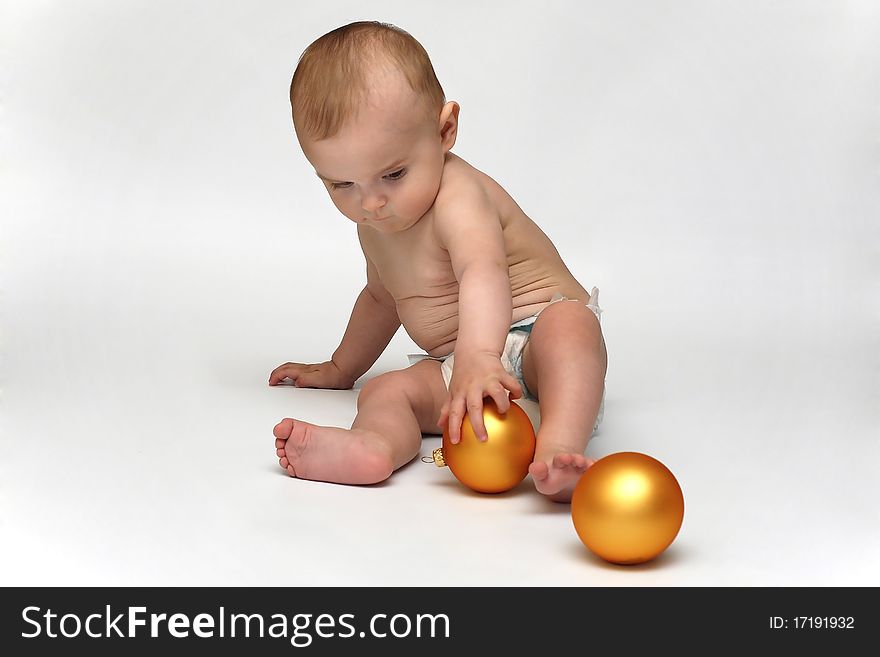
pixel 382 170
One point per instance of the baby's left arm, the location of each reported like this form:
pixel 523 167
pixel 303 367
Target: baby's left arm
pixel 469 228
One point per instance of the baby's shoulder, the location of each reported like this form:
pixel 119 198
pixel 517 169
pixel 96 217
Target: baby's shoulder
pixel 463 195
pixel 460 181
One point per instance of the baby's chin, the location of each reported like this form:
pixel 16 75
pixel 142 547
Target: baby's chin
pixel 391 224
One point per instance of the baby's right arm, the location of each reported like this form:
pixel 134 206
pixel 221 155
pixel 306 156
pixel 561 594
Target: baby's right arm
pixel 373 323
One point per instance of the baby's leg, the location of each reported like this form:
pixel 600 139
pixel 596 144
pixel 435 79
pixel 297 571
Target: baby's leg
pixel 394 409
pixel 564 362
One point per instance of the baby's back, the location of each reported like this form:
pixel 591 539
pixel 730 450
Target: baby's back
pixel 417 271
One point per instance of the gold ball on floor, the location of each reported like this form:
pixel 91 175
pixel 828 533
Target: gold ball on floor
pixel 497 464
pixel 627 508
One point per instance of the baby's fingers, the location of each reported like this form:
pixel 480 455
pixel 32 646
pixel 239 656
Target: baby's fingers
pixel 288 370
pixel 444 415
pixel 307 380
pixel 499 395
pixel 475 413
pixel 512 385
pixel 455 416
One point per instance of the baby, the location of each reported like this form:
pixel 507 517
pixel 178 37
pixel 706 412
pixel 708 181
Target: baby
pixel 450 256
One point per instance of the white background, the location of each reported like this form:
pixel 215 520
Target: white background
pixel 711 166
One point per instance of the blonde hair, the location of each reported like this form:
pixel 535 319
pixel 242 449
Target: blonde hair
pixel 333 76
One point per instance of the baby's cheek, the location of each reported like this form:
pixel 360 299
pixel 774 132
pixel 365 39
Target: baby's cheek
pixel 345 208
pixel 418 204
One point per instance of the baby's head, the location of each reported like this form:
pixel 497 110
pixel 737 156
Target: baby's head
pixel 372 119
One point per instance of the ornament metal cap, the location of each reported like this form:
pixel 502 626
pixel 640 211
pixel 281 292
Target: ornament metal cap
pixel 436 458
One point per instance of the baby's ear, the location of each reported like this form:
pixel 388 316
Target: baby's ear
pixel 449 124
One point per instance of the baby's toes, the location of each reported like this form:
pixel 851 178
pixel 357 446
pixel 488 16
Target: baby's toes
pixel 562 460
pixel 539 470
pixel 282 430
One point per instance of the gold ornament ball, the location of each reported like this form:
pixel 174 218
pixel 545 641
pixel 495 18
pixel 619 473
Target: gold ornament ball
pixel 627 508
pixel 497 464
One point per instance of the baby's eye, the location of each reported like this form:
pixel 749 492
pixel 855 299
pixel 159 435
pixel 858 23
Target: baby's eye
pixel 344 185
pixel 397 175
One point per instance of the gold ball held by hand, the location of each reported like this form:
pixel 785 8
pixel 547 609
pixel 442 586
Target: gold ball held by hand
pixel 627 508
pixel 497 464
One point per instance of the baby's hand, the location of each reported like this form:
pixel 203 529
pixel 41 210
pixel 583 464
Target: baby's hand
pixel 474 377
pixel 322 375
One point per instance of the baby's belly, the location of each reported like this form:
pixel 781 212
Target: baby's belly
pixel 431 322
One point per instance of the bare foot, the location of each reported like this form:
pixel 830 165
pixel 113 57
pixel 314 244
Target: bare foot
pixel 309 451
pixel 558 478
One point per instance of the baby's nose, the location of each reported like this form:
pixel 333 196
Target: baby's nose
pixel 372 202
